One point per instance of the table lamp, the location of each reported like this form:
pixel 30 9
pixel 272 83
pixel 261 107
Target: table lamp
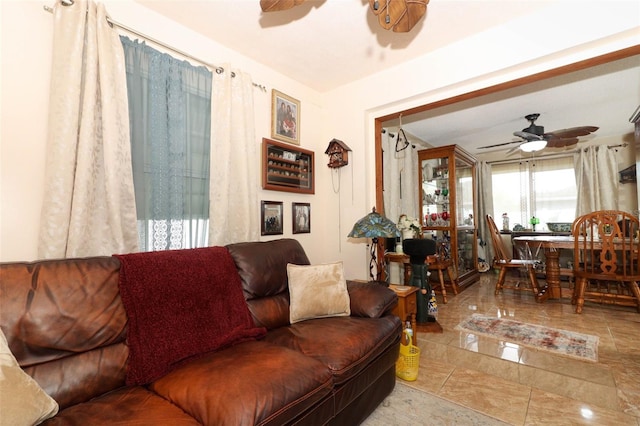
pixel 374 226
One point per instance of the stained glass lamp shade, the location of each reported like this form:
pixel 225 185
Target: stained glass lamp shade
pixel 374 226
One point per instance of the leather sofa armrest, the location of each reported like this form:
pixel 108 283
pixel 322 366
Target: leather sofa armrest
pixel 370 300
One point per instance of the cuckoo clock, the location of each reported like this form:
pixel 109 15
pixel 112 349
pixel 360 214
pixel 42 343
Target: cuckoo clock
pixel 338 153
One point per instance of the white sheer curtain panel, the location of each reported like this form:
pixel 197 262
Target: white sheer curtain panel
pixel 234 213
pixel 400 192
pixel 400 179
pixel 596 180
pixel 89 205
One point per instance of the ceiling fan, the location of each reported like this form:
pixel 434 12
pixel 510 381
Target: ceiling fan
pixel 535 139
pixel 397 15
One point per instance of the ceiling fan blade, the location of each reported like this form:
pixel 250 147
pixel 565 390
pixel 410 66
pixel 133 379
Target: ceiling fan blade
pixel 528 136
pixel 572 132
pixel 512 151
pixel 414 12
pixel 278 5
pixel 499 144
pixel 561 142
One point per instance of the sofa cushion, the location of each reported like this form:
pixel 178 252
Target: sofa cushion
pixel 64 318
pixel 125 406
pixel 354 342
pixel 317 291
pixel 180 304
pixel 252 383
pixel 22 400
pixel 371 300
pixel 262 266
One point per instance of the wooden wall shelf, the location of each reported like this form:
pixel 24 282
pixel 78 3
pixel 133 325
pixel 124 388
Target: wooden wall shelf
pixel 287 168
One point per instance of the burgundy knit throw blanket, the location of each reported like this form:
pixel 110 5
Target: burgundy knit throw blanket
pixel 181 304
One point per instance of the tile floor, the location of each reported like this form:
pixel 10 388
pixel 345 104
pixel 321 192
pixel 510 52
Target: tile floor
pixel 523 386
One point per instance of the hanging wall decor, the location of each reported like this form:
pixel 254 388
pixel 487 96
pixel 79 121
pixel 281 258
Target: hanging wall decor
pixel 285 118
pixel 338 153
pixel 301 218
pixel 285 168
pixel 271 218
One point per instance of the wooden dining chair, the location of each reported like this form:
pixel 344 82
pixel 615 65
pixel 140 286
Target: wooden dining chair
pixel 441 263
pixel 504 262
pixel 606 264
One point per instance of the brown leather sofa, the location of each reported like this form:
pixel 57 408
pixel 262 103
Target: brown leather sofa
pixel 66 325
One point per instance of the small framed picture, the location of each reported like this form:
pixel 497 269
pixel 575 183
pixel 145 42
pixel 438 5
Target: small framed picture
pixel 285 118
pixel 301 216
pixel 271 218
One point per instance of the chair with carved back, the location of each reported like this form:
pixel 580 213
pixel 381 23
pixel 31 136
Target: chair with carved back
pixel 504 262
pixel 606 264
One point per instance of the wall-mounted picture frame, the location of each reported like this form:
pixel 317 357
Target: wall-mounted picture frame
pixel 285 118
pixel 301 218
pixel 271 218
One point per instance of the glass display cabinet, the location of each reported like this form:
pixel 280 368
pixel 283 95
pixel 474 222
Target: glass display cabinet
pixel 447 177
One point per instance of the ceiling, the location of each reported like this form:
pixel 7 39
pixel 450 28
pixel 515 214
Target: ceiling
pixel 604 96
pixel 351 45
pixel 328 43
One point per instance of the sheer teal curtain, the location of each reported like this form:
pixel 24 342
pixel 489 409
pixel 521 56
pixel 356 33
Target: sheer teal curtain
pixel 170 124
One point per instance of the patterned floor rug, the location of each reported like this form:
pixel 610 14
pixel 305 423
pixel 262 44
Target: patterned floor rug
pixel 561 342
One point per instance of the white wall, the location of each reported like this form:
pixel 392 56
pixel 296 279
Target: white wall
pixel 346 113
pixel 26 58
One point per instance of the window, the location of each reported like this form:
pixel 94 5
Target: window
pixel 545 188
pixel 170 126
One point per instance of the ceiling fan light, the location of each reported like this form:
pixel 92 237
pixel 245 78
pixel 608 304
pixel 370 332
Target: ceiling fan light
pixel 533 146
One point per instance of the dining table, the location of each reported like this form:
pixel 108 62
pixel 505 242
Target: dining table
pixel 551 244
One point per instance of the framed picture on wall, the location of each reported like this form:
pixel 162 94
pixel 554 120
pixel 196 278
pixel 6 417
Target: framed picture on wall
pixel 301 217
pixel 271 218
pixel 285 118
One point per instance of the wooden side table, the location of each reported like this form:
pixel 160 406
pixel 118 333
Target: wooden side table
pixel 407 306
pixel 434 263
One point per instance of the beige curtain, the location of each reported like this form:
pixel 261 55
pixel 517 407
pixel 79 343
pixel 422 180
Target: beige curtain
pixel 485 207
pixel 400 194
pixel 89 205
pixel 234 213
pixel 596 180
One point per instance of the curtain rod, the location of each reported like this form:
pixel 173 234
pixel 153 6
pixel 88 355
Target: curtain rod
pixel 557 155
pixel 218 69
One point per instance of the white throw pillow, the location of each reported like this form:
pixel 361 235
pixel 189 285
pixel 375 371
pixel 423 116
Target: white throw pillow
pixel 317 291
pixel 22 400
